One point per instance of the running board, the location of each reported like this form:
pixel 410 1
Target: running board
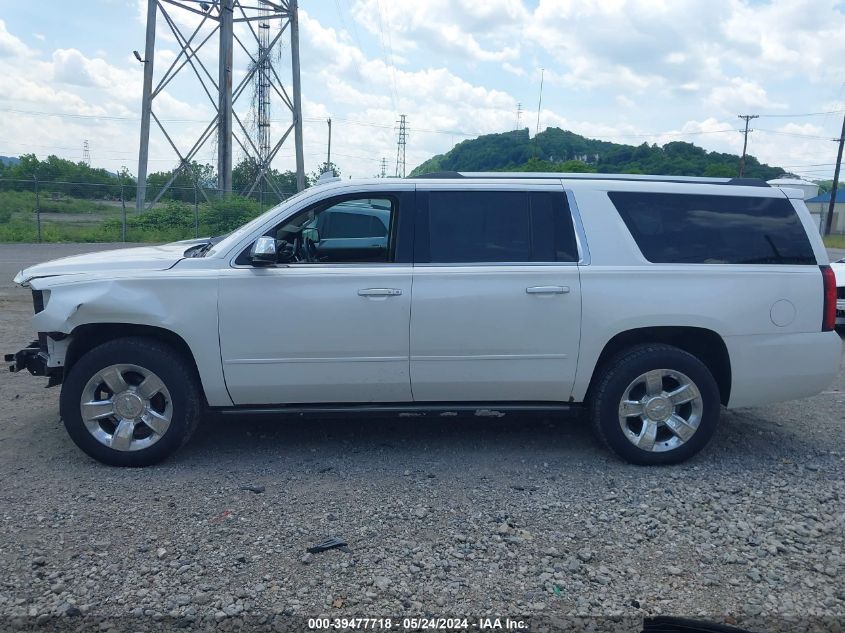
pixel 478 409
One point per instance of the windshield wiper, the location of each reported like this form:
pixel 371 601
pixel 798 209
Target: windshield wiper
pixel 199 250
pixel 204 248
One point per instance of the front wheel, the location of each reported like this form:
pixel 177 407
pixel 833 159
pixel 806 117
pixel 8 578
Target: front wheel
pixel 130 402
pixel 655 404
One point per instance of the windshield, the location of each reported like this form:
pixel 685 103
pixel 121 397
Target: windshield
pixel 235 236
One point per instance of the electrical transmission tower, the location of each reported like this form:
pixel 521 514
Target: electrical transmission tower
pixel 518 115
pixel 264 83
pixel 383 173
pixel 747 118
pixel 216 22
pixel 400 146
pixel 86 153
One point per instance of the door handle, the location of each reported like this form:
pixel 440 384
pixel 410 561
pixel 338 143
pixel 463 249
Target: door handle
pixel 547 290
pixel 379 292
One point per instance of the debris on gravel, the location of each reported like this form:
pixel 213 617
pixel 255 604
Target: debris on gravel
pixel 521 516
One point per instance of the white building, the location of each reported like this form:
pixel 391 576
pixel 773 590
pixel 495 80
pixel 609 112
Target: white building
pixel 810 189
pixel 819 205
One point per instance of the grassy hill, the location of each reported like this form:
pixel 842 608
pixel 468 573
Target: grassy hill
pixel 560 150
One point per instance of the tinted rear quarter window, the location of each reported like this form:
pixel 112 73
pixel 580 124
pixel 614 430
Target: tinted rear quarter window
pixel 499 226
pixel 714 229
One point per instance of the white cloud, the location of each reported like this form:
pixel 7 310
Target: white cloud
pixel 740 94
pixel 472 29
pixel 11 46
pixel 624 70
pixel 514 70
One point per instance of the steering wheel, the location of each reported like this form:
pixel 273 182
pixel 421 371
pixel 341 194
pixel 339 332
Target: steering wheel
pixel 304 251
pixel 309 247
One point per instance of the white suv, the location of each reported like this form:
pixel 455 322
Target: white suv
pixel 646 302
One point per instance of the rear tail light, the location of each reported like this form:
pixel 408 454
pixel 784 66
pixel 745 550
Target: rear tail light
pixel 829 314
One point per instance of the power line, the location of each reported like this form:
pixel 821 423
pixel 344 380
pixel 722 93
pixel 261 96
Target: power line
pixel 450 132
pixel 795 134
pixel 799 115
pixel 811 165
pixel 394 95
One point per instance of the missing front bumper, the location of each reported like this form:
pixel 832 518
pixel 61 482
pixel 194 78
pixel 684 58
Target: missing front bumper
pixel 33 359
pixel 30 358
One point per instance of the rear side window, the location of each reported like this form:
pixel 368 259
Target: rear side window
pixel 499 226
pixel 705 229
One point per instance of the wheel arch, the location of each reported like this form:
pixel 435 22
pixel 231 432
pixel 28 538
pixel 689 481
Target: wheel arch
pixel 706 345
pixel 88 336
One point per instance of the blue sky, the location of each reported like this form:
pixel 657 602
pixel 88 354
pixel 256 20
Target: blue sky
pixel 629 71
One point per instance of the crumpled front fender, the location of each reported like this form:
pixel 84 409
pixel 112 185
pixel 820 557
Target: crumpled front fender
pixel 184 304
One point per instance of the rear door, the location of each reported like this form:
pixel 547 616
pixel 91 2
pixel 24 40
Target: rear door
pixel 496 306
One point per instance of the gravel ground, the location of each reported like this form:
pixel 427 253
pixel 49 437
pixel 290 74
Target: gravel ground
pixel 518 516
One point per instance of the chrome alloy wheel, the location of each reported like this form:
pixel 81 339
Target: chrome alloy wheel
pixel 126 407
pixel 660 410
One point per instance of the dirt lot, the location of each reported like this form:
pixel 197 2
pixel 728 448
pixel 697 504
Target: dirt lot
pixel 519 516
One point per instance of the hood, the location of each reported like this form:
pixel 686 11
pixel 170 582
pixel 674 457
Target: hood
pixel 142 258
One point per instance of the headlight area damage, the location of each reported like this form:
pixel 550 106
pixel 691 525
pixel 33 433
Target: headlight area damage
pixel 35 356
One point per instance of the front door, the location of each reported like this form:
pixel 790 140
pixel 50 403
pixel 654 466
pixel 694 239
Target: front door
pixel 332 324
pixel 496 311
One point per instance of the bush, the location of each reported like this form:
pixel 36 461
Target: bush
pixel 174 221
pixel 223 216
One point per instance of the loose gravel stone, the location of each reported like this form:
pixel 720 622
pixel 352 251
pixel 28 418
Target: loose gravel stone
pixel 524 515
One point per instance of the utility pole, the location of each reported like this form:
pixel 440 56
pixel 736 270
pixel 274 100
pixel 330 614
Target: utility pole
pixel 37 207
pixel 400 146
pixel 146 105
pixel 383 173
pixel 747 118
pixel 540 100
pixel 329 153
pixel 835 187
pixel 224 120
pixel 123 205
pixel 293 7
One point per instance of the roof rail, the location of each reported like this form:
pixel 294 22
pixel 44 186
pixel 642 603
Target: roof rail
pixel 493 175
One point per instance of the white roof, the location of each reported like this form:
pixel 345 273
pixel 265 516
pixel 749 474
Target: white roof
pixel 785 182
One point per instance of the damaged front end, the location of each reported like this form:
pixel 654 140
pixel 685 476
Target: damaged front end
pixel 35 357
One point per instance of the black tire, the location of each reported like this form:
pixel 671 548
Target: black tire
pixel 162 360
pixel 615 377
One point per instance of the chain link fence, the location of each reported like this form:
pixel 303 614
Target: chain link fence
pixel 60 211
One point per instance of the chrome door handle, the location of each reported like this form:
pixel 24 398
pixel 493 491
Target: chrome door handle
pixel 547 290
pixel 379 292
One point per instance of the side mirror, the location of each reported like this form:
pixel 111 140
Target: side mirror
pixel 263 252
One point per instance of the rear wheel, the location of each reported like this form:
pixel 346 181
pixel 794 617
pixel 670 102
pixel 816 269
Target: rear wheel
pixel 130 402
pixel 655 404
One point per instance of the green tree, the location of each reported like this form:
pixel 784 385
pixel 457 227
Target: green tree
pixel 322 169
pixel 717 170
pixel 184 185
pixel 555 147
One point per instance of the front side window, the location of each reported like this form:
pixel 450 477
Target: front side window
pixel 713 229
pixel 351 231
pixel 499 226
